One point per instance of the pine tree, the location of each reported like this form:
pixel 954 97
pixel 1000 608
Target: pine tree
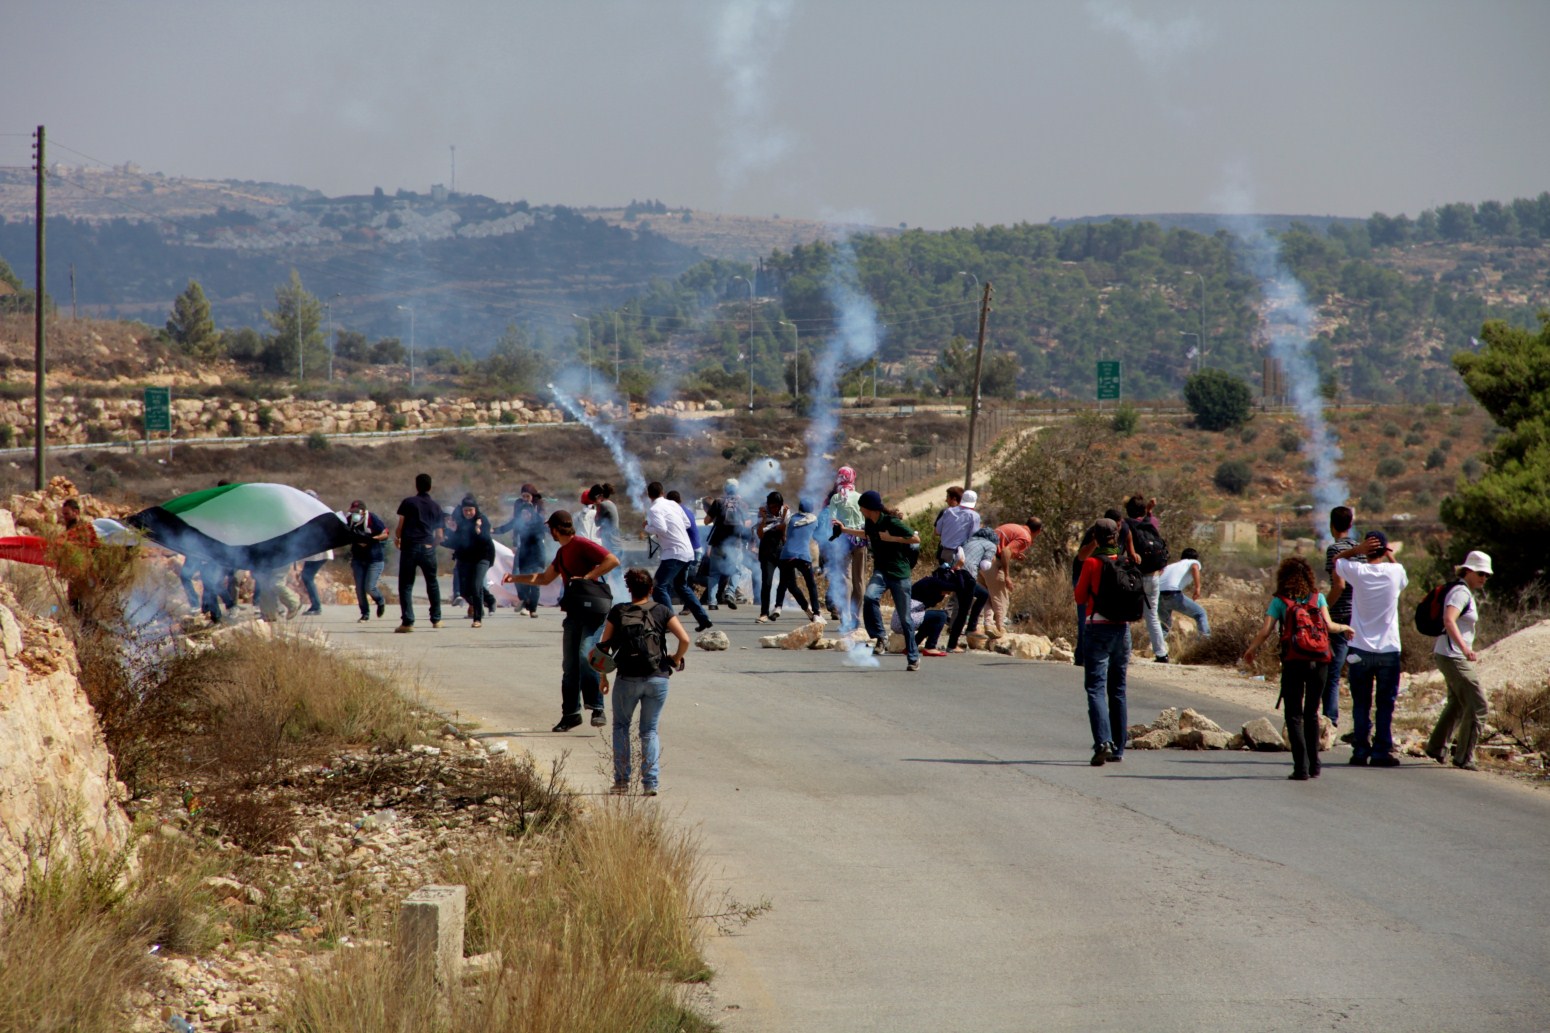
pixel 190 325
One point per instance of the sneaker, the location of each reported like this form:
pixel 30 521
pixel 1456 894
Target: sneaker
pixel 363 618
pixel 381 609
pixel 435 624
pixel 730 604
pixel 476 624
pixel 1159 659
pixel 1357 762
pixel 1100 755
pixel 913 665
pixel 1115 758
pixel 316 611
pixel 1298 776
pixel 703 626
pixel 713 606
pixel 775 615
pixel 1384 760
pixel 403 629
pixel 533 614
pixel 1439 756
pixel 879 647
pixel 457 601
pixel 567 722
pixel 598 720
pixel 1468 765
pixel 648 791
pixel 1348 737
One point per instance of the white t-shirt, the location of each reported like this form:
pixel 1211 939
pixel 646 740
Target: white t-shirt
pixel 1375 589
pixel 1461 597
pixel 1176 576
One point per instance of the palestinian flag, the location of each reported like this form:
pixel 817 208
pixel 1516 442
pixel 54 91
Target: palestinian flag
pixel 245 526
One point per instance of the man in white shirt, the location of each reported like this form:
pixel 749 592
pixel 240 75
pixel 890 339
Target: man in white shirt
pixel 1376 582
pixel 665 521
pixel 1178 588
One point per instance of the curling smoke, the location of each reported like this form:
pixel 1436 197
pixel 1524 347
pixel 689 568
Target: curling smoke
pixel 608 434
pixel 1289 320
pixel 761 476
pixel 747 37
pixel 855 341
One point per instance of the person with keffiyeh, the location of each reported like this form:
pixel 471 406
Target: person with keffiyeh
pixel 845 554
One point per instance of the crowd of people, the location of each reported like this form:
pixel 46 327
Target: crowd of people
pixel 841 555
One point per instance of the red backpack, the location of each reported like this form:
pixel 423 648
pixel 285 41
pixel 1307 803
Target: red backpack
pixel 1304 636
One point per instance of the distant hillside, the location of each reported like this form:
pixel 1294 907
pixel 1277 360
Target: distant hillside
pixel 1207 223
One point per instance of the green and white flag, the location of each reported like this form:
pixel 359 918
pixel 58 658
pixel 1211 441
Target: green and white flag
pixel 245 526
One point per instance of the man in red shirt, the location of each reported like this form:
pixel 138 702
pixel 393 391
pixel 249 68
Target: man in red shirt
pixel 1013 540
pixel 578 558
pixel 1106 645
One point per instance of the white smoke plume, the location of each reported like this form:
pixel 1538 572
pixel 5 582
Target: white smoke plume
pixel 759 478
pixel 855 341
pixel 608 434
pixel 748 35
pixel 1158 44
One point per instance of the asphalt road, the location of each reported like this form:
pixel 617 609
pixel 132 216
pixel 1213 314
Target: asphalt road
pixel 940 856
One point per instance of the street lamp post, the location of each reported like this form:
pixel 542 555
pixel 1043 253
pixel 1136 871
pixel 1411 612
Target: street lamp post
pixel 979 358
pixel 588 323
pixel 328 310
pixel 749 284
pixel 1191 333
pixel 410 309
pixel 1200 363
pixel 301 373
pixel 616 351
pixel 796 358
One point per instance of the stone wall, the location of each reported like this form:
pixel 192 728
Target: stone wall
pixel 72 420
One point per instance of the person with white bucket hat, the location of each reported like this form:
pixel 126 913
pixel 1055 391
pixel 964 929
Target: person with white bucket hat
pixel 1454 652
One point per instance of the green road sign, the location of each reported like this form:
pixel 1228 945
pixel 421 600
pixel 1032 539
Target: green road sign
pixel 1108 381
pixel 158 409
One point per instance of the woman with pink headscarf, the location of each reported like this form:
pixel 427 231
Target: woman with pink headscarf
pixel 845 555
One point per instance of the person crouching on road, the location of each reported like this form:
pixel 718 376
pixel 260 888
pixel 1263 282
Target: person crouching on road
pixel 576 559
pixel 1304 670
pixel 894 544
pixel 1106 641
pixel 642 669
pixel 1454 654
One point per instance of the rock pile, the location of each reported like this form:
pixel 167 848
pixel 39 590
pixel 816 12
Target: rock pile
pixel 1191 730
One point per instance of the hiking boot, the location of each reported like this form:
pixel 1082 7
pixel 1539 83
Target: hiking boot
pixel 403 629
pixel 879 647
pixel 913 665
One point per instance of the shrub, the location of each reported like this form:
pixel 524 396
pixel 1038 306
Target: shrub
pixel 1414 438
pixel 7 436
pixel 1126 420
pixel 234 426
pixel 317 441
pixel 1248 434
pixel 1231 633
pixel 1218 399
pixel 1376 497
pixel 1289 439
pixel 1472 469
pixel 1436 459
pixel 265 418
pixel 1390 466
pixel 1233 476
pixel 1391 429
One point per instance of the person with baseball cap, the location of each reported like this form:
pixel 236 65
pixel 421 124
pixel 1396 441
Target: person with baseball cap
pixel 1454 653
pixel 1376 581
pixel 894 547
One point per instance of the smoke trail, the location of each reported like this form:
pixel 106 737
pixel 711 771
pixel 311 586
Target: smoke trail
pixel 747 37
pixel 761 475
pixel 855 341
pixel 608 434
pixel 1289 320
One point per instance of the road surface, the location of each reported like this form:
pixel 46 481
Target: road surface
pixel 940 855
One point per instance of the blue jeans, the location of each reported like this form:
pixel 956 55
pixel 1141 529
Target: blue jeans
pixel 309 581
pixel 420 558
pixel 673 576
pixel 1374 688
pixel 650 694
pixel 931 626
pixel 1339 645
pixel 578 681
pixel 1104 667
pixel 872 610
pixel 366 575
pixel 1169 602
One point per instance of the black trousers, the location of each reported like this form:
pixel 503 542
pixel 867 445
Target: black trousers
pixel 1302 688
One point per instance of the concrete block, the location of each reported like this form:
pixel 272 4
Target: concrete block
pixel 430 932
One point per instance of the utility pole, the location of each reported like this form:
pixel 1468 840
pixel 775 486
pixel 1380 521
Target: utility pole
pixel 40 331
pixel 979 361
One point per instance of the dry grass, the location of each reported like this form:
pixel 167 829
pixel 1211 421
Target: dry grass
pixel 1042 602
pixel 1524 713
pixel 596 929
pixel 1232 630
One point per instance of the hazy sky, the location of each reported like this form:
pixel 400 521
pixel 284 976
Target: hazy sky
pixel 938 113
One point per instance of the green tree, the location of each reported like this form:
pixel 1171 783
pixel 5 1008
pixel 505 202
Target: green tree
pixel 297 321
pixel 954 372
pixel 513 364
pixel 1506 512
pixel 14 295
pixel 190 326
pixel 389 351
pixel 1218 399
pixel 351 345
pixel 1233 476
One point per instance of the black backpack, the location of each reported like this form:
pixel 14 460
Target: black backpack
pixel 1429 611
pixel 1120 595
pixel 641 652
pixel 1150 546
